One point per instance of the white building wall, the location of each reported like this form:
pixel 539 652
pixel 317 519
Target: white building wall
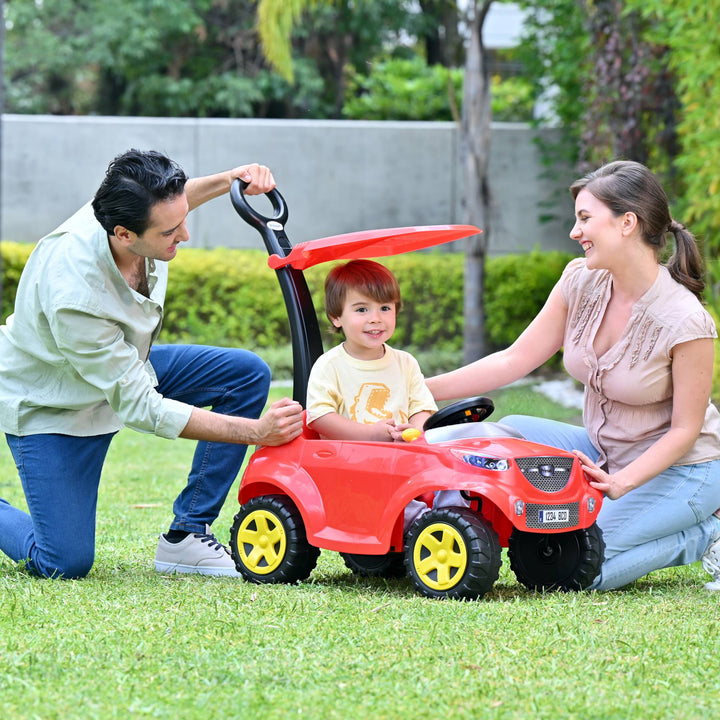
pixel 336 176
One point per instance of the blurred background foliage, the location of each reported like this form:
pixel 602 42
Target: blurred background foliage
pixel 229 298
pixel 633 79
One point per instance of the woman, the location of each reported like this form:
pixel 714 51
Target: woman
pixel 634 332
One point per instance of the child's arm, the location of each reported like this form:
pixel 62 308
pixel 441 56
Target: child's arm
pixel 336 427
pixel 416 421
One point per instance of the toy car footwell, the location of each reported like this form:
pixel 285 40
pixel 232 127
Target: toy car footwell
pixel 390 565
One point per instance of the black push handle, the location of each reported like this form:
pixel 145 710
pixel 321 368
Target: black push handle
pixel 272 229
pixel 304 329
pixel 249 213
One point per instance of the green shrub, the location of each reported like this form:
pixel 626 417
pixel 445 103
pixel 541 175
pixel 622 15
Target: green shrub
pixel 403 89
pixel 516 287
pixel 224 297
pixel 14 257
pixel 231 298
pixel 410 89
pixel 512 99
pixel 716 362
pixel 432 291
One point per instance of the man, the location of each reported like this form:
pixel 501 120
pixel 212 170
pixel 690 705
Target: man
pixel 77 364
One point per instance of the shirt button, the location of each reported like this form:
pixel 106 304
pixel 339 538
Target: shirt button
pixel 124 381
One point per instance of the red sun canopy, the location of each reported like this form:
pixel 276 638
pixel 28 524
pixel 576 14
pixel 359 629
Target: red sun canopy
pixel 370 244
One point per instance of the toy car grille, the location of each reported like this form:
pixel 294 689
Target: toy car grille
pixel 532 516
pixel 549 474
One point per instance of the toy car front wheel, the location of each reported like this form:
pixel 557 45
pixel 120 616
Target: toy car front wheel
pixel 268 541
pixel 562 561
pixel 452 553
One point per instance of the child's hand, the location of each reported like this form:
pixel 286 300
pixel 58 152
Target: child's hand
pixel 384 430
pixel 410 434
pixel 398 430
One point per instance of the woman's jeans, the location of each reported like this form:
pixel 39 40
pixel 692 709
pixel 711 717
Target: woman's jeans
pixel 60 474
pixel 667 521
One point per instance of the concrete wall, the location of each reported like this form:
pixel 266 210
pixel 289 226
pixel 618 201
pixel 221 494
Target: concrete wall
pixel 336 176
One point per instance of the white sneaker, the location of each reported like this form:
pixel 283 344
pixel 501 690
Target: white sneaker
pixel 198 553
pixel 711 564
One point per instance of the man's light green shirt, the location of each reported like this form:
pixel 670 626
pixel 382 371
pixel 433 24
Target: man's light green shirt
pixel 74 355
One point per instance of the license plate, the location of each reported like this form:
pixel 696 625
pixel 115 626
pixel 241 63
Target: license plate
pixel 556 515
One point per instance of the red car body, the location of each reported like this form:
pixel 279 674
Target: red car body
pixel 350 496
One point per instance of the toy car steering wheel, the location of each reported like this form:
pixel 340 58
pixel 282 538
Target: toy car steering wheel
pixel 474 409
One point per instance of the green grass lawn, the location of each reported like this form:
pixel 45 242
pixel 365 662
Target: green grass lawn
pixel 128 643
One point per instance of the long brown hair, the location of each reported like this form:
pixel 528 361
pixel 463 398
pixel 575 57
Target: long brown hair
pixel 627 186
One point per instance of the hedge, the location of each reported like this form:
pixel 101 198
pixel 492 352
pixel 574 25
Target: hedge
pixel 231 297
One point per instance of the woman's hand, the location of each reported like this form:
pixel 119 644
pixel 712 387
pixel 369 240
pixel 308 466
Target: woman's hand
pixel 610 485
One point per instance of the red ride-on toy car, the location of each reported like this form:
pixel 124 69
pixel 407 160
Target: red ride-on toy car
pixel 349 496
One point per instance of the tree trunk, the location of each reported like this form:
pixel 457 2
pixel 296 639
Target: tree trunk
pixel 475 149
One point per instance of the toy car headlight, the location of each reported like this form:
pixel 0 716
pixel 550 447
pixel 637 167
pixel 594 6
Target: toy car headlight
pixel 482 461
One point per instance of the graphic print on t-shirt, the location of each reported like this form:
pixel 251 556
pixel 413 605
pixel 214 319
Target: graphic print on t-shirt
pixel 370 403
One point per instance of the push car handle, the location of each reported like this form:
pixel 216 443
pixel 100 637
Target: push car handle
pixel 252 216
pixel 272 228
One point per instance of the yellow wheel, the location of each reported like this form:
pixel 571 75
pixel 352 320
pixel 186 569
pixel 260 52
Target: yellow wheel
pixel 440 556
pixel 261 542
pixel 268 541
pixel 452 553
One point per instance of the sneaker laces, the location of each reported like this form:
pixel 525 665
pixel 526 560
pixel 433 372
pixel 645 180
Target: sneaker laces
pixel 211 540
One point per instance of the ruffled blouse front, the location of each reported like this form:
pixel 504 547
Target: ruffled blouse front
pixel 629 389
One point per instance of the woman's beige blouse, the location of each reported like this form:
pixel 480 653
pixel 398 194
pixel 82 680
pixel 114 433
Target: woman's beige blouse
pixel 629 389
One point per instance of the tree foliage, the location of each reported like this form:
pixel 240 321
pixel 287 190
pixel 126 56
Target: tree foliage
pixel 347 38
pixel 638 79
pixel 410 89
pixel 198 58
pixel 684 26
pixel 631 107
pixel 606 78
pixel 343 36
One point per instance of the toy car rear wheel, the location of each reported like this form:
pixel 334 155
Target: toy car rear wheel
pixel 390 565
pixel 562 561
pixel 268 541
pixel 452 553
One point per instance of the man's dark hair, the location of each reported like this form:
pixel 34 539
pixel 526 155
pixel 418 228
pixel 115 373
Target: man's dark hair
pixel 134 182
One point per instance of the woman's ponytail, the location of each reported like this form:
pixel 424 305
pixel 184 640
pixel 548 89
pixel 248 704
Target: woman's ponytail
pixel 686 263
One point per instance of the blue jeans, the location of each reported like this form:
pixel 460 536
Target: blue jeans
pixel 668 521
pixel 60 474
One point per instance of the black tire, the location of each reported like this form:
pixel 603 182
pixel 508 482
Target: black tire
pixel 390 565
pixel 562 561
pixel 268 541
pixel 452 553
